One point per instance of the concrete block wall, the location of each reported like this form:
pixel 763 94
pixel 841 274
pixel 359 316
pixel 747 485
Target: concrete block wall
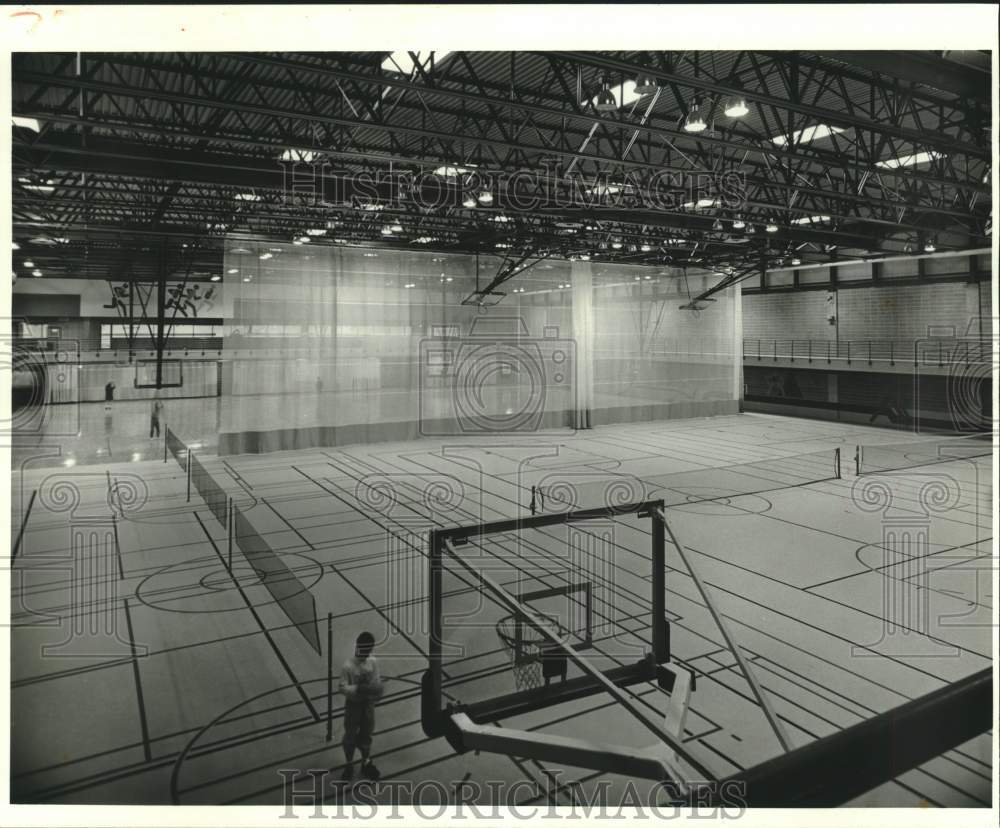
pixel 787 316
pixel 898 312
pixel 908 311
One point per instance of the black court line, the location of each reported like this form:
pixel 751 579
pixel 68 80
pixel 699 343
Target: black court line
pixel 263 629
pixel 24 523
pixel 146 751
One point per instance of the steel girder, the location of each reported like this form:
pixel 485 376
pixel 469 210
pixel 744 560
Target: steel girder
pixel 467 118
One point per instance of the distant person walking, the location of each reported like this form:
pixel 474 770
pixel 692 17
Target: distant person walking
pixel 154 416
pixel 361 685
pixel 109 395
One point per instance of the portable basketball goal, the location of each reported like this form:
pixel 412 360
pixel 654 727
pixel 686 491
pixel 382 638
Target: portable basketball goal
pixel 539 650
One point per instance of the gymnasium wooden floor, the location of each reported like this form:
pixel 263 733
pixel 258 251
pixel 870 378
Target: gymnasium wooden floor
pixel 183 683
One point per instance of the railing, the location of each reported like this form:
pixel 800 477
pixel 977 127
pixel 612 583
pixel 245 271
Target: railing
pixel 916 352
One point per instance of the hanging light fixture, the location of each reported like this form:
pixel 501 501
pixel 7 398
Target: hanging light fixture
pixel 735 106
pixel 486 197
pixel 796 261
pixel 469 202
pixel 717 225
pixel 771 228
pixel 695 120
pixel 645 84
pixel 606 101
pixel 739 224
pixel 929 246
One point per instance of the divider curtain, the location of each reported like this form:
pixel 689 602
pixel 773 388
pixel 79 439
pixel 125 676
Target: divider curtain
pixel 328 345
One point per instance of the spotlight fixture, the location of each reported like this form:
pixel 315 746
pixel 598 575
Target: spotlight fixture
pixel 645 248
pixel 739 224
pixel 736 106
pixel 771 228
pixel 469 202
pixel 36 273
pixel 605 98
pixel 29 263
pixel 929 246
pixel 397 228
pixel 617 244
pixel 796 261
pixel 645 84
pixel 486 197
pixel 695 120
pixel 216 277
pixel 386 230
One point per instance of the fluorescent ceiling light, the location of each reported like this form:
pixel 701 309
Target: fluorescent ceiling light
pixel 811 220
pixel 448 171
pixel 908 160
pixel 27 123
pixel 247 197
pixel 605 189
pixel 403 63
pixel 298 155
pixel 316 231
pixel 625 94
pixel 424 239
pixel 707 202
pixel 804 136
pixel 40 188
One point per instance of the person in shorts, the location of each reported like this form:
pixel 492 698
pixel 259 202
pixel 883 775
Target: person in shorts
pixel 361 684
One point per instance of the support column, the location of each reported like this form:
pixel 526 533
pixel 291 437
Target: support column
pixel 583 336
pixel 161 304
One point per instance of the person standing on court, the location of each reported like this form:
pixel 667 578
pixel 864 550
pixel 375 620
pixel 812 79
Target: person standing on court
pixel 109 395
pixel 154 416
pixel 361 684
